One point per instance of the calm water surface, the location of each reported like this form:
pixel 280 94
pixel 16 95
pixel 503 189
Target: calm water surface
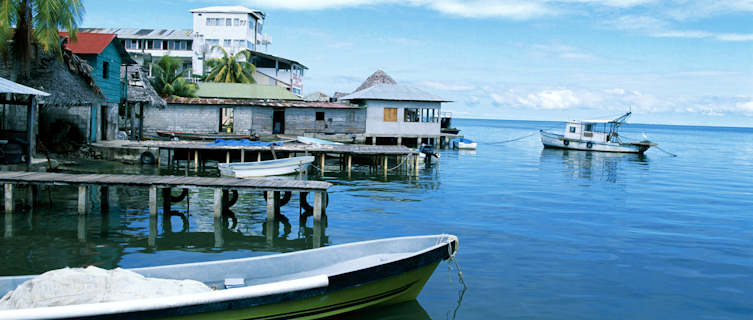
pixel 544 234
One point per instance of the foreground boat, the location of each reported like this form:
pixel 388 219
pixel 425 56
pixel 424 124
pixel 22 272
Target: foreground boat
pixel 308 284
pixel 594 135
pixel 265 168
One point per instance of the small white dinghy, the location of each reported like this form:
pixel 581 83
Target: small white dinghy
pixel 265 168
pixel 309 284
pixel 594 135
pixel 464 144
pixel 315 141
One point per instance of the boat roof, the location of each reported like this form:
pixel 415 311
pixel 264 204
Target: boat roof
pixel 592 121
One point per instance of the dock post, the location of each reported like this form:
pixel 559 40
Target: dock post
pixel 8 225
pixel 82 199
pixel 415 164
pixel 196 160
pixel 218 203
pixel 258 156
pixel 350 161
pixel 159 155
pixel 104 199
pixel 385 166
pixel 153 200
pixel 321 163
pixel 9 204
pixel 151 241
pixel 166 201
pixel 188 160
pixel 273 205
pixel 243 155
pixel 81 229
pixel 227 157
pixel 399 140
pixel 318 205
pixel 218 236
pixel 318 233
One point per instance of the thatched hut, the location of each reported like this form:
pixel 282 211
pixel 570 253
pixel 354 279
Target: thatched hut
pixel 140 95
pixel 74 100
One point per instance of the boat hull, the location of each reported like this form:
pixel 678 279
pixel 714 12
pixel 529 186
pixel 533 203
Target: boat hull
pixel 265 168
pixel 552 140
pixel 466 146
pixel 345 278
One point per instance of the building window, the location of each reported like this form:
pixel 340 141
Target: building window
pixel 210 21
pixel 390 114
pixel 227 43
pixel 429 115
pixel 236 22
pixel 228 22
pixel 589 127
pixel 105 70
pixel 319 116
pixel 238 43
pixel 411 115
pixel 212 42
pixel 132 44
pixel 351 116
pixel 572 129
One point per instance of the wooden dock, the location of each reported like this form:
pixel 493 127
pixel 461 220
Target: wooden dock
pixel 196 153
pixel 221 186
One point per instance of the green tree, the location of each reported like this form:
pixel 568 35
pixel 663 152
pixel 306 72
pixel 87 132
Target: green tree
pixel 169 78
pixel 229 68
pixel 32 23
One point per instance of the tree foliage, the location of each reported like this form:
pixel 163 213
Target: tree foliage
pixel 32 23
pixel 229 68
pixel 169 78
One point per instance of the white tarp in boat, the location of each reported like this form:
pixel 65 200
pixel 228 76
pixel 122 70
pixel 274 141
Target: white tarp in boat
pixel 72 286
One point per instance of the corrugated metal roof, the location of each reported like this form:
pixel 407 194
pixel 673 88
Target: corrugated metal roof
pixel 225 9
pixel 260 103
pixel 128 33
pixel 393 92
pixel 88 42
pixel 7 86
pixel 243 91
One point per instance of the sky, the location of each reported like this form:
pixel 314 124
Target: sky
pixel 671 62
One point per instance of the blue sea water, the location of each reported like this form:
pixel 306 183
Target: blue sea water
pixel 544 234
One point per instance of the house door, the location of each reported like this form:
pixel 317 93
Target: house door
pixel 278 122
pixel 103 131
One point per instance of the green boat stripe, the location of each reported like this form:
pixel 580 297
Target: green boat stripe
pixel 334 307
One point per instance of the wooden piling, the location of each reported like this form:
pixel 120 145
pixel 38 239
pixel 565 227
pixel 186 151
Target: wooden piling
pixel 9 203
pixel 196 160
pixel 227 157
pixel 322 162
pixel 273 205
pixel 151 241
pixel 385 166
pixel 81 234
pixel 350 160
pixel 258 156
pixel 82 199
pixel 153 200
pixel 219 239
pixel 318 205
pixel 243 155
pixel 218 203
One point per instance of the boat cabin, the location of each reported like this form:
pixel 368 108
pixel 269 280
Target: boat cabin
pixel 592 130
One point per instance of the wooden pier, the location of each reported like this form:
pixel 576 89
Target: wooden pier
pixel 195 154
pixel 222 188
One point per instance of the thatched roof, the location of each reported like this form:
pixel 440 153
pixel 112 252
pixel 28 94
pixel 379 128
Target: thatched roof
pixel 378 77
pixel 139 88
pixel 68 81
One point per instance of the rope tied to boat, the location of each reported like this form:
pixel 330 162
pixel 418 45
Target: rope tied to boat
pixel 516 139
pixel 452 252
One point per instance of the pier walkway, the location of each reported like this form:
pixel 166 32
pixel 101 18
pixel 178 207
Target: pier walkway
pixel 221 186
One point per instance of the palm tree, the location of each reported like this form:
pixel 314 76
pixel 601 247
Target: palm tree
pixel 229 68
pixel 32 23
pixel 169 78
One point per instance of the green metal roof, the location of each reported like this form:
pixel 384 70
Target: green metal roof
pixel 244 91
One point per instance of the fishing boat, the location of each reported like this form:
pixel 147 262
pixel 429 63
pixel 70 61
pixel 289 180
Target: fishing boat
pixel 445 124
pixel 204 135
pixel 266 167
pixel 307 284
pixel 594 135
pixel 315 141
pixel 463 143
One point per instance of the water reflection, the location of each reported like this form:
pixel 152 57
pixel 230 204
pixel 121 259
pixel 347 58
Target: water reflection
pixel 604 166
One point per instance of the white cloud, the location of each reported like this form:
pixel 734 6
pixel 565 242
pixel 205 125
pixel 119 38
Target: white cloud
pixel 444 86
pixel 697 34
pixel 550 99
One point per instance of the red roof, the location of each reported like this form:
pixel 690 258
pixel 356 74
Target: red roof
pixel 89 43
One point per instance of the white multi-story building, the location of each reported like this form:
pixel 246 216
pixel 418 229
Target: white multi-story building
pixel 234 28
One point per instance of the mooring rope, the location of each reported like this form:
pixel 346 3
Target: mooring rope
pixel 665 151
pixel 450 261
pixel 516 139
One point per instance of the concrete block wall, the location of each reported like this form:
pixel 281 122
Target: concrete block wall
pixel 182 117
pixel 79 116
